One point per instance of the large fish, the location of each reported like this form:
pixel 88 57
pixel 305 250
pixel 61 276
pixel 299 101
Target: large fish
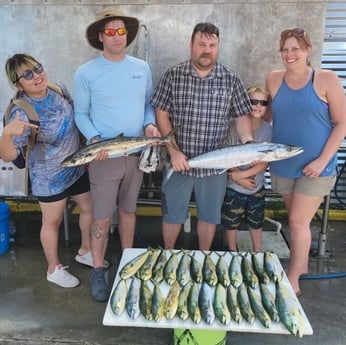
pixel 288 310
pixel 205 302
pixel 220 304
pixel 145 272
pixel 131 267
pixel 237 155
pixel 257 306
pixel 116 147
pixel 157 303
pixel 183 311
pixel 132 299
pixel 118 297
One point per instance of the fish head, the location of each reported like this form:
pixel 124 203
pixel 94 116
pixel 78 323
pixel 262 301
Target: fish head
pixel 281 151
pixel 293 325
pixel 77 159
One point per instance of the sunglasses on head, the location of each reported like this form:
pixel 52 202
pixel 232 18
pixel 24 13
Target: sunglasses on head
pixel 112 32
pixel 29 73
pixel 293 32
pixel 259 101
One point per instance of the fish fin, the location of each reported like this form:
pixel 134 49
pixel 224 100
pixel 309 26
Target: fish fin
pixel 167 172
pixel 119 136
pixel 265 151
pixel 117 155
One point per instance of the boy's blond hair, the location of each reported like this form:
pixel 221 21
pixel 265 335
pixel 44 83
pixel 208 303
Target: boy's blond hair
pixel 260 89
pixel 233 138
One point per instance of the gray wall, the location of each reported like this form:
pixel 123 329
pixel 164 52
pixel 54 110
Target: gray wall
pixel 54 32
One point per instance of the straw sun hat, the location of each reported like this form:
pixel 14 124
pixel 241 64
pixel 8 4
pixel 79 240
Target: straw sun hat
pixel 92 31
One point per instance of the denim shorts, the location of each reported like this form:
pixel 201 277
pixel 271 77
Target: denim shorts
pixel 208 193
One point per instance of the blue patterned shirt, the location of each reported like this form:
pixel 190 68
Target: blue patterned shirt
pixel 58 138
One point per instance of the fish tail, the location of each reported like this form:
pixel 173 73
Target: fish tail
pixel 168 172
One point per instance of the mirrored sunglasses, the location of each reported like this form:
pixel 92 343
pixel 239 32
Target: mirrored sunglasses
pixel 259 101
pixel 112 32
pixel 29 73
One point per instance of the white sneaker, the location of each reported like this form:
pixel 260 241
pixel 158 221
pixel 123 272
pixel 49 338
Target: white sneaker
pixel 87 259
pixel 62 278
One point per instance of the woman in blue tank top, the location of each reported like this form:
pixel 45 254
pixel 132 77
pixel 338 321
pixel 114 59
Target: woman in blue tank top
pixel 308 110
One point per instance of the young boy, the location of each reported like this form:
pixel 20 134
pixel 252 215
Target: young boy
pixel 245 194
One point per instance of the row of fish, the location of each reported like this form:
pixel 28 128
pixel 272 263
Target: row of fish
pixel 160 264
pixel 212 294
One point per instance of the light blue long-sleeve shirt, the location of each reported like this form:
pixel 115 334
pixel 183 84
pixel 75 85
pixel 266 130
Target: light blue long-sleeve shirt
pixel 113 97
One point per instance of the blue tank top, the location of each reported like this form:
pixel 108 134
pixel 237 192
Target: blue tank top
pixel 301 118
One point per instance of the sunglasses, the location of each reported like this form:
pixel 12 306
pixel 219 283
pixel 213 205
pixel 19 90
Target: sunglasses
pixel 294 32
pixel 29 73
pixel 259 101
pixel 112 32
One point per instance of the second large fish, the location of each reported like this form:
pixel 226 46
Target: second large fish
pixel 117 147
pixel 237 155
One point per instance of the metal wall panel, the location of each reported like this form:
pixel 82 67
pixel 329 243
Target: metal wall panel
pixel 334 56
pixel 334 47
pixel 54 32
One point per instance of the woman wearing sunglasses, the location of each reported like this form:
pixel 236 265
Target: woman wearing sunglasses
pixel 309 110
pixel 51 183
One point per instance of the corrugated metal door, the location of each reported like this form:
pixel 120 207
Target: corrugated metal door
pixel 334 48
pixel 334 58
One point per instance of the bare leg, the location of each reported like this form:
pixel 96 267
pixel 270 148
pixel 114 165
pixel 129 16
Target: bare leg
pixel 256 239
pixel 301 210
pixel 85 218
pixel 126 226
pixel 52 215
pixel 206 233
pixel 170 234
pixel 232 238
pixel 99 240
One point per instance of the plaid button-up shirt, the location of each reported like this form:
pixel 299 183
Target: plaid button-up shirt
pixel 201 109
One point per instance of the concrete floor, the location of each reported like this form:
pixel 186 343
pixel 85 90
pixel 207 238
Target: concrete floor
pixel 32 311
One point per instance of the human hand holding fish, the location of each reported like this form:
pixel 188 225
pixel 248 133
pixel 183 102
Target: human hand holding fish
pixel 151 130
pixel 179 161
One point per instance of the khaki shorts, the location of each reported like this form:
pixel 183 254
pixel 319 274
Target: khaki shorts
pixel 114 183
pixel 317 186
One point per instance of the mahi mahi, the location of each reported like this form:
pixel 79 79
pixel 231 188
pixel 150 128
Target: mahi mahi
pixel 289 313
pixel 116 147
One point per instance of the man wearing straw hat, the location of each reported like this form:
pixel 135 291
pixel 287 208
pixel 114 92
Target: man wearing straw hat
pixel 112 96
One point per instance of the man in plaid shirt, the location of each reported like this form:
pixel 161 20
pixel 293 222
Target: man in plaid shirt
pixel 199 98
